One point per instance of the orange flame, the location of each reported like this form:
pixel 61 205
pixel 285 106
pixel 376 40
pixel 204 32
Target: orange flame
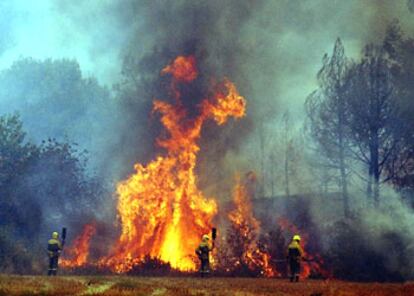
pixel 183 69
pixel 314 261
pixel 248 227
pixel 162 212
pixel 79 251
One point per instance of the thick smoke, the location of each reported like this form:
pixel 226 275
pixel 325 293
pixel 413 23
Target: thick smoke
pixel 211 32
pixel 270 49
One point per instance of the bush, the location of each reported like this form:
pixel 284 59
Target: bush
pixel 354 256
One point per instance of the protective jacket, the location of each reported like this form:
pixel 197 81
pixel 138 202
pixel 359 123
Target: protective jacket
pixel 203 250
pixel 295 251
pixel 294 256
pixel 54 246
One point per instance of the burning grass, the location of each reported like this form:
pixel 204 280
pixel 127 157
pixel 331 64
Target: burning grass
pixel 79 252
pixel 244 250
pixel 162 212
pixel 168 286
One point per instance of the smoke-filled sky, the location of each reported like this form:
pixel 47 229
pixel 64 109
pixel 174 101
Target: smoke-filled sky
pixel 271 49
pixel 286 38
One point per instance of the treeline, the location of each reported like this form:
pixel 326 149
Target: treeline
pixel 55 100
pixel 350 170
pixel 42 188
pixel 357 135
pixel 361 117
pixel 46 180
pixel 361 122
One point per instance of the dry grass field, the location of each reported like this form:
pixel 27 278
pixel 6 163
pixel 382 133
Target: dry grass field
pixel 159 286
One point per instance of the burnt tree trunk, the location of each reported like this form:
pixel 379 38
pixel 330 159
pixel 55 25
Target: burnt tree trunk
pixel 344 184
pixel 375 167
pixel 342 165
pixel 287 154
pixel 369 181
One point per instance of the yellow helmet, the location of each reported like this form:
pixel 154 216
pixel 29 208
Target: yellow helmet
pixel 55 235
pixel 296 237
pixel 205 237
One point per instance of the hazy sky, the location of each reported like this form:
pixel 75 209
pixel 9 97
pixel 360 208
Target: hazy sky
pixel 83 30
pixel 288 37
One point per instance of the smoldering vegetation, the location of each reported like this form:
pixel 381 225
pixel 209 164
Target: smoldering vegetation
pixel 48 180
pixel 344 179
pixel 357 144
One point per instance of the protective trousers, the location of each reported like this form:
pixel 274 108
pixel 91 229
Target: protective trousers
pixel 205 267
pixel 294 266
pixel 53 265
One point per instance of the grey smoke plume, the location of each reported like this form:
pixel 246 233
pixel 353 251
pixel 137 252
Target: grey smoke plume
pixel 271 49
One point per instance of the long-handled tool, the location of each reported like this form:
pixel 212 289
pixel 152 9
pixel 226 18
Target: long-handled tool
pixel 63 236
pixel 278 260
pixel 214 234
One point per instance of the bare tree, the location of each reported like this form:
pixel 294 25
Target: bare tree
pixel 400 167
pixel 327 111
pixel 272 161
pixel 262 146
pixel 410 5
pixel 375 127
pixel 285 158
pixel 287 143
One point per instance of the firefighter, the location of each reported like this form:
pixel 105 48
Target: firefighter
pixel 54 247
pixel 203 252
pixel 294 257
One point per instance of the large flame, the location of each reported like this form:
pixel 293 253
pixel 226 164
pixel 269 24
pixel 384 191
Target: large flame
pixel 162 212
pixel 248 227
pixel 78 252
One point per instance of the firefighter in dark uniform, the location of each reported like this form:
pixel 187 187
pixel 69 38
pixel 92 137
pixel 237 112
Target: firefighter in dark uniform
pixel 203 253
pixel 54 247
pixel 294 256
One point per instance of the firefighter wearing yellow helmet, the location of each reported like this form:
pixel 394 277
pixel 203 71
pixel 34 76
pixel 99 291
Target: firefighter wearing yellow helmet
pixel 203 253
pixel 294 256
pixel 54 247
